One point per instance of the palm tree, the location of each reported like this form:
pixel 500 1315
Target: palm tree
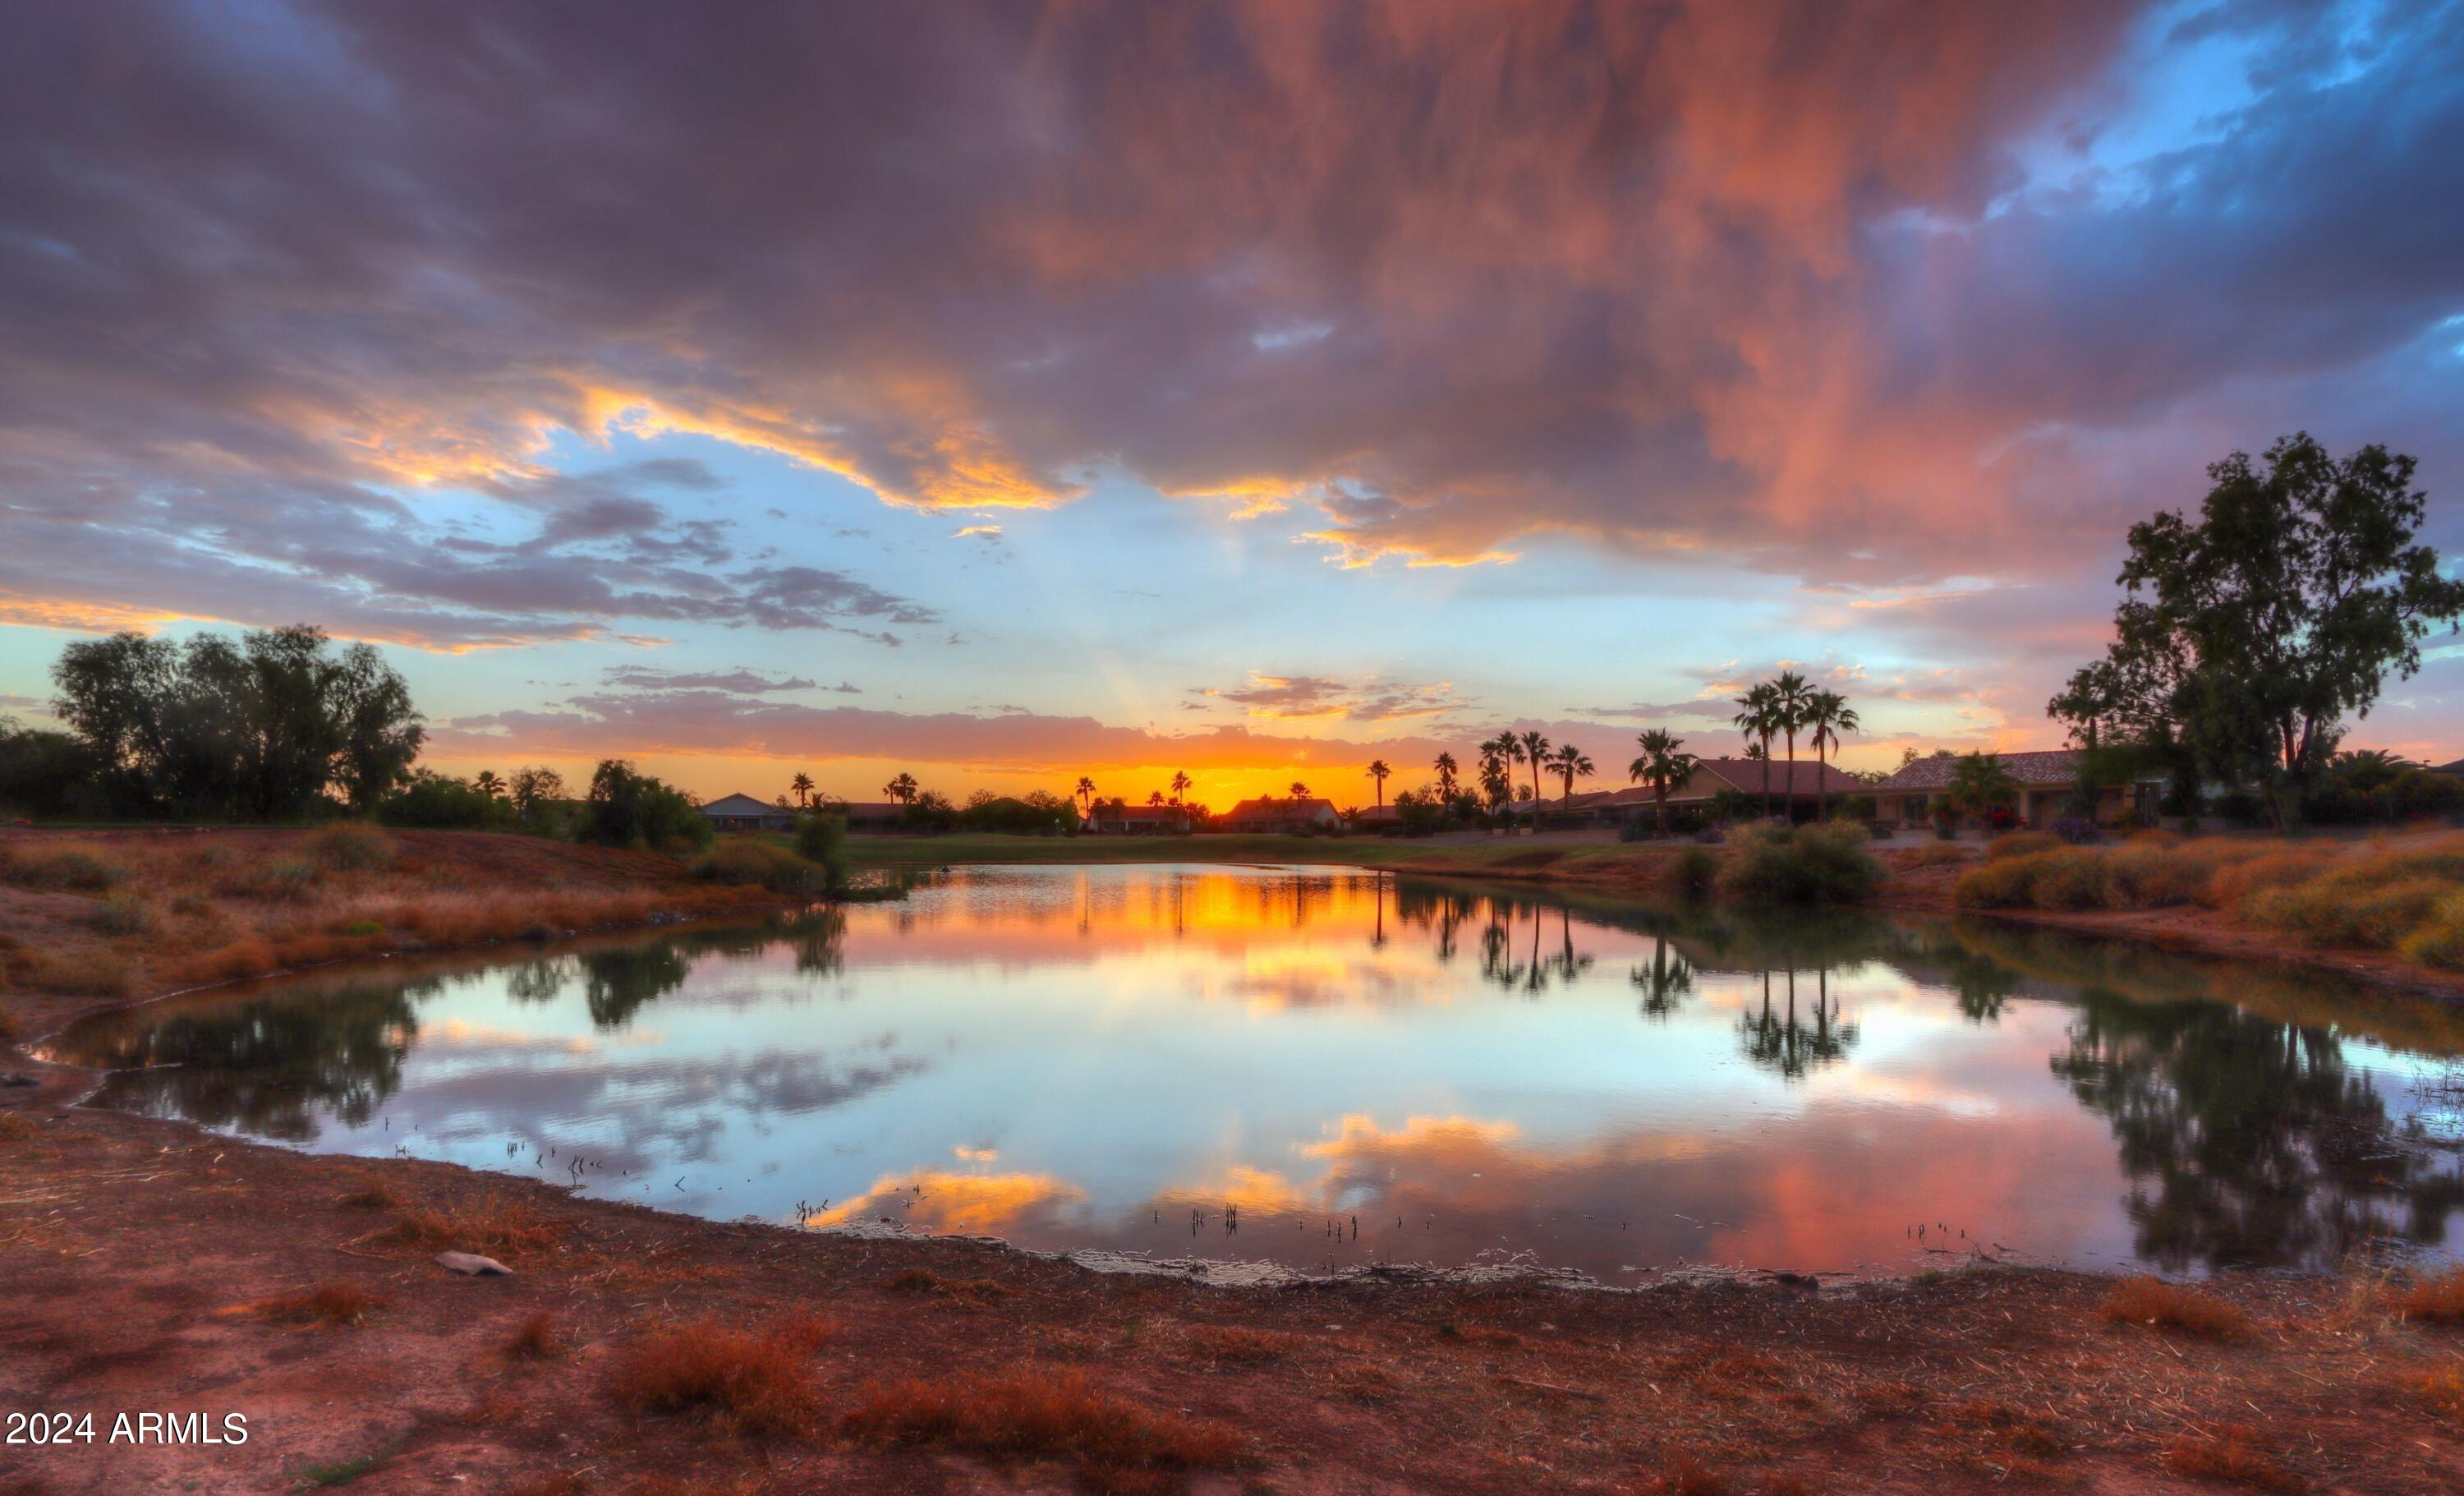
pixel 1300 791
pixel 1180 783
pixel 1832 718
pixel 1789 694
pixel 1758 718
pixel 1447 768
pixel 802 787
pixel 1495 782
pixel 902 789
pixel 1378 773
pixel 1154 799
pixel 1978 782
pixel 1664 763
pixel 1570 761
pixel 486 782
pixel 1086 794
pixel 1535 752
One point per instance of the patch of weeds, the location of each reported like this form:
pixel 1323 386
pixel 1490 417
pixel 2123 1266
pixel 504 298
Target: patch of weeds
pixel 1684 1475
pixel 1479 1334
pixel 535 1339
pixel 338 1304
pixel 85 974
pixel 2167 1306
pixel 925 1283
pixel 1040 1413
pixel 2442 1388
pixel 122 914
pixel 2436 1300
pixel 2232 1454
pixel 71 867
pixel 491 1225
pixel 375 1196
pixel 352 846
pixel 756 1381
pixel 342 1472
pixel 1236 1344
pixel 15 1128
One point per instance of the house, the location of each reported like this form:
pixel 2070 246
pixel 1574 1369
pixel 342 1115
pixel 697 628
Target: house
pixel 2046 781
pixel 744 813
pixel 867 816
pixel 1801 785
pixel 1107 820
pixel 1270 814
pixel 1377 818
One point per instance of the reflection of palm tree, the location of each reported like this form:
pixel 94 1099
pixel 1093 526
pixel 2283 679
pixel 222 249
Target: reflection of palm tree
pixel 1781 1041
pixel 1664 982
pixel 535 981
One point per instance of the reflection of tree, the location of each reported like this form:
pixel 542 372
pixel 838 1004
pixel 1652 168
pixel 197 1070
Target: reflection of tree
pixel 264 1065
pixel 819 940
pixel 617 980
pixel 2247 1142
pixel 1665 982
pixel 1794 1047
pixel 535 981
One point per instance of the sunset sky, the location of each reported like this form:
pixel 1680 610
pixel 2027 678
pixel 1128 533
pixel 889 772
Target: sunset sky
pixel 1003 392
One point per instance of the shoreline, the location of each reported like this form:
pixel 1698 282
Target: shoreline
pixel 1776 1380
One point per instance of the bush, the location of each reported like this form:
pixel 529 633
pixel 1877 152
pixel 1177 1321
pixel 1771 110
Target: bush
pixel 740 861
pixel 2439 940
pixel 2079 831
pixel 61 867
pixel 1801 865
pixel 2007 884
pixel 2062 878
pixel 820 840
pixel 2230 887
pixel 2020 844
pixel 760 1381
pixel 438 802
pixel 1878 830
pixel 1940 853
pixel 352 846
pixel 278 879
pixel 2166 1306
pixel 1693 871
pixel 123 914
pixel 2336 910
pixel 630 808
pixel 1055 1413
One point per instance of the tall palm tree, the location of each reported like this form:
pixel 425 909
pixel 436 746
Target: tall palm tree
pixel 486 782
pixel 802 786
pixel 1378 773
pixel 1495 755
pixel 1180 783
pixel 1758 718
pixel 1535 752
pixel 1664 763
pixel 1788 695
pixel 1448 769
pixel 902 789
pixel 1086 794
pixel 1568 762
pixel 1832 718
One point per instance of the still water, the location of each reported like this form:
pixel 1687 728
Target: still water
pixel 1326 1067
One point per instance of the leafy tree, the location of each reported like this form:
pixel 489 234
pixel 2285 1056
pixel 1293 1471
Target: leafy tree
pixel 270 725
pixel 2245 637
pixel 626 807
pixel 1664 764
pixel 536 790
pixel 46 774
pixel 439 802
pixel 821 839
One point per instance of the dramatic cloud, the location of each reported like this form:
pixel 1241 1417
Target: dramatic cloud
pixel 1862 291
pixel 1317 697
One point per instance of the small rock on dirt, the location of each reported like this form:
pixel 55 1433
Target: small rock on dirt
pixel 472 1264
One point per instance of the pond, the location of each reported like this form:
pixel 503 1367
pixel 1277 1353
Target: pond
pixel 1324 1068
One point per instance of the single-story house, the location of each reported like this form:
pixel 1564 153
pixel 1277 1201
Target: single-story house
pixel 875 817
pixel 1140 821
pixel 2046 780
pixel 745 813
pixel 1376 818
pixel 1804 783
pixel 1267 813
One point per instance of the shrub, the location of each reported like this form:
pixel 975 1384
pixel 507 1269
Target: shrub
pixel 1939 853
pixel 2230 886
pixel 2148 875
pixel 773 868
pixel 1806 865
pixel 122 914
pixel 63 868
pixel 88 973
pixel 276 879
pixel 626 807
pixel 2436 1300
pixel 2079 831
pixel 494 1225
pixel 2072 879
pixel 2167 1306
pixel 821 840
pixel 1693 871
pixel 2440 942
pixel 352 846
pixel 337 1304
pixel 1879 830
pixel 440 801
pixel 536 1339
pixel 1056 1414
pixel 759 1380
pixel 2009 884
pixel 2020 844
pixel 2066 878
pixel 2341 910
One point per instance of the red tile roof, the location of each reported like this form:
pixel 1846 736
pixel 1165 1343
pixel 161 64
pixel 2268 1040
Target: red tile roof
pixel 2049 768
pixel 1275 807
pixel 1811 777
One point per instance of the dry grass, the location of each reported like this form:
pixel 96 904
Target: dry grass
pixel 1684 1475
pixel 1937 855
pixel 352 846
pixel 2231 1454
pixel 497 1225
pixel 754 1381
pixel 2442 1388
pixel 1043 1414
pixel 375 1196
pixel 339 1304
pixel 536 1339
pixel 924 1282
pixel 2436 1300
pixel 15 1128
pixel 1236 1344
pixel 91 972
pixel 2022 844
pixel 2169 1305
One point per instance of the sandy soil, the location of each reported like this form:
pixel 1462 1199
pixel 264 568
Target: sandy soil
pixel 142 1264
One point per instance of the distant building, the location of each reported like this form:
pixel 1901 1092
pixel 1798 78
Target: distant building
pixel 867 816
pixel 2046 781
pixel 1270 814
pixel 1803 785
pixel 1140 821
pixel 745 813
